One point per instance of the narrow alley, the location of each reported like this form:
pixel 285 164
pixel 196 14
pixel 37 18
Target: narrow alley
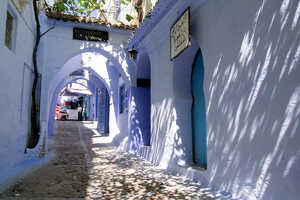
pixel 149 99
pixel 85 166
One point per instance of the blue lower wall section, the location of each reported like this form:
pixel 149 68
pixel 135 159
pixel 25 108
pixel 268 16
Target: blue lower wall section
pixel 103 111
pixel 139 118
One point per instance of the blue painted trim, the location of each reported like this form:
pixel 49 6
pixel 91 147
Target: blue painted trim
pixel 122 100
pixel 106 121
pixel 103 112
pixel 97 106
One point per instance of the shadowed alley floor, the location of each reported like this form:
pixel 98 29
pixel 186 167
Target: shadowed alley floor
pixel 85 169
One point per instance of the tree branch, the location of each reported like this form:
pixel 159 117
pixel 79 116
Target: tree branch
pixel 47 6
pixel 34 135
pixel 51 28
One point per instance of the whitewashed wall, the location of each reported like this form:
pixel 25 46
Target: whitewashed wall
pixel 251 54
pixel 61 55
pixel 251 57
pixel 122 117
pixel 15 89
pixel 56 49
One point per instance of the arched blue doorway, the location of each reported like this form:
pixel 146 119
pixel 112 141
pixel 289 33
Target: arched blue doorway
pixel 198 112
pixel 103 111
pixel 140 105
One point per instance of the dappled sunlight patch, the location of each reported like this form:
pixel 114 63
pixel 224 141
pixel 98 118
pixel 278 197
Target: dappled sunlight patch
pixel 284 8
pixel 289 117
pixel 97 138
pixel 118 175
pixel 253 117
pixel 164 118
pixel 296 17
pixel 296 59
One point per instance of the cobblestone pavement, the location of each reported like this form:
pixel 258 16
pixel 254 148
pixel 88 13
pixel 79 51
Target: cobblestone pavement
pixel 84 167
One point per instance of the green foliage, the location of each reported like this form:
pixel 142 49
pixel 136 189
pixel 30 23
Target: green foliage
pixel 136 7
pixel 84 7
pixel 124 2
pixel 78 7
pixel 129 17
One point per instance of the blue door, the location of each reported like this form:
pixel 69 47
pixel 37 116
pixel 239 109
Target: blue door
pixel 106 120
pixel 103 112
pixel 97 106
pixel 198 113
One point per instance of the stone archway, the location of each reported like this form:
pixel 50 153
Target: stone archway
pixel 97 81
pixel 107 71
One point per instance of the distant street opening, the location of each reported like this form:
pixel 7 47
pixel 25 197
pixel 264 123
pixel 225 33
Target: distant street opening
pixel 83 100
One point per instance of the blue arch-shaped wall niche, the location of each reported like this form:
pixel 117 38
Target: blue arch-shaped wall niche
pixel 198 112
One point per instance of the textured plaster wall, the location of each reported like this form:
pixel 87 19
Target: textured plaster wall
pixel 15 90
pixel 251 57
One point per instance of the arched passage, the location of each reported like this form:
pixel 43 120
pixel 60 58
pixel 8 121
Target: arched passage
pixel 97 81
pixel 89 59
pixel 106 69
pixel 92 58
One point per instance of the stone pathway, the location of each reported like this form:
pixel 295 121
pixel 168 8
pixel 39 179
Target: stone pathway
pixel 85 169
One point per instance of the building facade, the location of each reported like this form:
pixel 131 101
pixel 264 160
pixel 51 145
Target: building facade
pixel 226 110
pixel 16 45
pixel 206 89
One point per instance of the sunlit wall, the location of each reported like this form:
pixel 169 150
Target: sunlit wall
pixel 251 57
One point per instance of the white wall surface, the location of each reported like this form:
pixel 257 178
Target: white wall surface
pixel 15 89
pixel 11 84
pixel 251 57
pixel 58 48
pixel 122 117
pixel 61 55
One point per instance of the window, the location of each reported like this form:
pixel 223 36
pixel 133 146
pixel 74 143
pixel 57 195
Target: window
pixel 9 30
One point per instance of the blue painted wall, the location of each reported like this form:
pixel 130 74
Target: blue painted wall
pixel 103 111
pixel 198 112
pixel 139 117
pixel 251 57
